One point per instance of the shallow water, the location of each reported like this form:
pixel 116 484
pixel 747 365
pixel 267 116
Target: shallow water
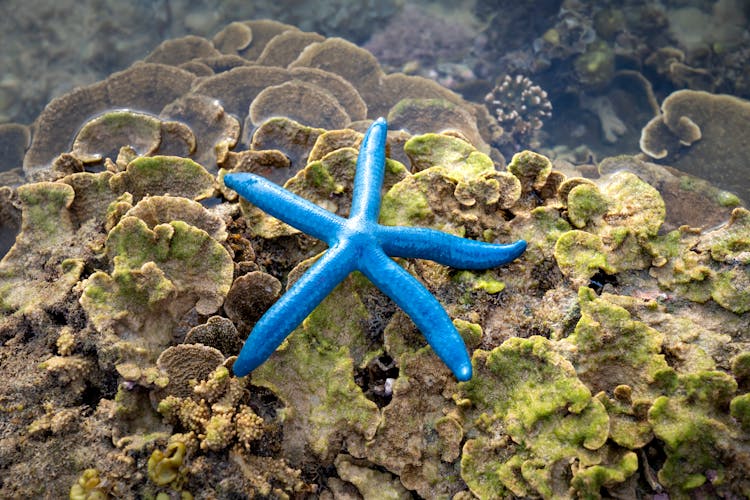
pixel 595 114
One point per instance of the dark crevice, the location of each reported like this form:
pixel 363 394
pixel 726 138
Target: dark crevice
pixel 376 380
pixel 600 280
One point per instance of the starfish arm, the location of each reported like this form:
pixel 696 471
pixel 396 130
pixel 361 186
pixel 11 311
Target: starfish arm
pixel 422 308
pixel 370 172
pixel 447 249
pixel 293 307
pixel 286 206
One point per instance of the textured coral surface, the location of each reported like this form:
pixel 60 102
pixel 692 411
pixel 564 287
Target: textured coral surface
pixel 611 360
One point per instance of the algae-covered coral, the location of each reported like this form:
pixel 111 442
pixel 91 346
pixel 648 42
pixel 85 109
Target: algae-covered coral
pixel 610 360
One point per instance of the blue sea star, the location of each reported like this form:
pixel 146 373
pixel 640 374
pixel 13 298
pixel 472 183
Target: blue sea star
pixel 359 243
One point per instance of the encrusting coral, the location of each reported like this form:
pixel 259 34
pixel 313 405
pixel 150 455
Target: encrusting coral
pixel 616 346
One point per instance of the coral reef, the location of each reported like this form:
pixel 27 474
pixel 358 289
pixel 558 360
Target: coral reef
pixel 611 360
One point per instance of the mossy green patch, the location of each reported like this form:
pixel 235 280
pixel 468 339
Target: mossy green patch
pixel 585 204
pixel 532 169
pixel 731 242
pixel 46 260
pixel 739 408
pixel 45 206
pixel 461 160
pixel 612 349
pixel 485 281
pixel 731 289
pixel 158 275
pixel 313 374
pixel 158 175
pixel 679 267
pixel 525 391
pixel 404 205
pixel 580 255
pixel 699 435
pixel 634 204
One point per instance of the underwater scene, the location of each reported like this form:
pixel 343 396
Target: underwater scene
pixel 224 276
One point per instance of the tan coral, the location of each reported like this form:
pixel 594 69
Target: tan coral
pixel 157 175
pixel 284 48
pixel 233 38
pixel 155 210
pixel 103 136
pixel 712 127
pixel 185 362
pixel 263 31
pixel 219 333
pixel 344 91
pixel 344 58
pixel 250 296
pixel 212 126
pixel 292 138
pixel 419 116
pixel 144 87
pixel 300 101
pixel 238 87
pixel 180 50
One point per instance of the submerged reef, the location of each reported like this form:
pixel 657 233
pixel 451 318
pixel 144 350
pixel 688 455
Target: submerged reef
pixel 612 359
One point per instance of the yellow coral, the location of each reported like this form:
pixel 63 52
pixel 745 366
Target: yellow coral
pixel 219 432
pixel 249 425
pixel 88 487
pixel 164 466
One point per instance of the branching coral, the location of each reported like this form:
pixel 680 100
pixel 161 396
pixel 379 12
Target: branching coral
pixel 214 414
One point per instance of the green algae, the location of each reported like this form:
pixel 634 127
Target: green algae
pixel 612 349
pixel 731 289
pixel 531 168
pixel 580 255
pixel 486 281
pixel 313 374
pixel 529 411
pixel 46 205
pixel 88 487
pixel 585 204
pixel 731 242
pixel 456 188
pixel 619 219
pixel 739 408
pixel 158 275
pixel 530 426
pixel 700 437
pixel 433 198
pixel 156 175
pixel 459 157
pixel 44 263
